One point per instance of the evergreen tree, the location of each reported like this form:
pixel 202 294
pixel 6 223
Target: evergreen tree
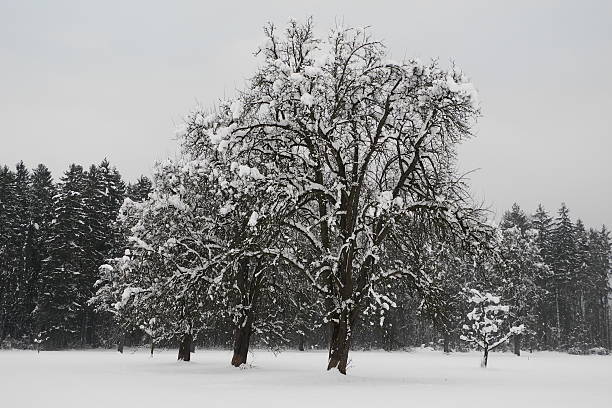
pixel 518 273
pixel 17 302
pixel 41 217
pixel 580 336
pixel 543 224
pixel 7 279
pixel 564 265
pixel 102 199
pixel 597 303
pixel 516 217
pixel 139 191
pixel 22 253
pixel 59 307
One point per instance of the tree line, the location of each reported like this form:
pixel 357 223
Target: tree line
pixel 56 235
pixel 53 238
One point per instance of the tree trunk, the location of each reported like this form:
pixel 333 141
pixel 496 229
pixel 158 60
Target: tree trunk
pixel 446 343
pixel 340 344
pixel 2 326
pixel 184 352
pixel 152 347
pixel 242 338
pixel 84 322
pixel 606 325
pixel 390 332
pixel 517 344
pixel 120 343
pixel 301 343
pixel 582 305
pixel 558 318
pixel 91 334
pixel 485 358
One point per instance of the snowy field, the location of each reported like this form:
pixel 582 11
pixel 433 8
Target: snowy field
pixel 293 379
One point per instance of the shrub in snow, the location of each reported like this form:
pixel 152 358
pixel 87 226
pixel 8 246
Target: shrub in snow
pixel 600 351
pixel 486 323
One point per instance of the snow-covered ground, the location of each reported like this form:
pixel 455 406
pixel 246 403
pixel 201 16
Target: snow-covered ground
pixel 293 379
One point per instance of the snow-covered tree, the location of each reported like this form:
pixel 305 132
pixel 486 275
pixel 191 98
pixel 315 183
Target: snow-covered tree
pixel 42 214
pixel 450 265
pixel 519 274
pixel 9 251
pixel 516 217
pixel 102 198
pixel 201 239
pixel 487 326
pixel 139 190
pixel 543 224
pixel 600 257
pixel 360 144
pixel 59 306
pixel 564 265
pixel 148 288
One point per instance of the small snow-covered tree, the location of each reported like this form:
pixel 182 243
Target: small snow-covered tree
pixel 487 326
pixel 154 287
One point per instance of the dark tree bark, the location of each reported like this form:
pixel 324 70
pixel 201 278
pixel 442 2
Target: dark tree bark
pixel 340 343
pixel 2 327
pixel 517 344
pixel 341 327
pixel 301 343
pixel 121 342
pixel 390 341
pixel 446 343
pixel 92 330
pixel 84 322
pixel 250 279
pixel 558 318
pixel 184 352
pixel 485 358
pixel 242 339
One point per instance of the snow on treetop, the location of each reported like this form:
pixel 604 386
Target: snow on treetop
pixel 236 108
pixel 253 219
pixel 307 99
pixel 252 172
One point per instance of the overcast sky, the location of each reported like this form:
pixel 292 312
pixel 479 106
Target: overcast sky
pixel 81 80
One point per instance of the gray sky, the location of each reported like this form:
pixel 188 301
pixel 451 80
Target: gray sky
pixel 84 80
